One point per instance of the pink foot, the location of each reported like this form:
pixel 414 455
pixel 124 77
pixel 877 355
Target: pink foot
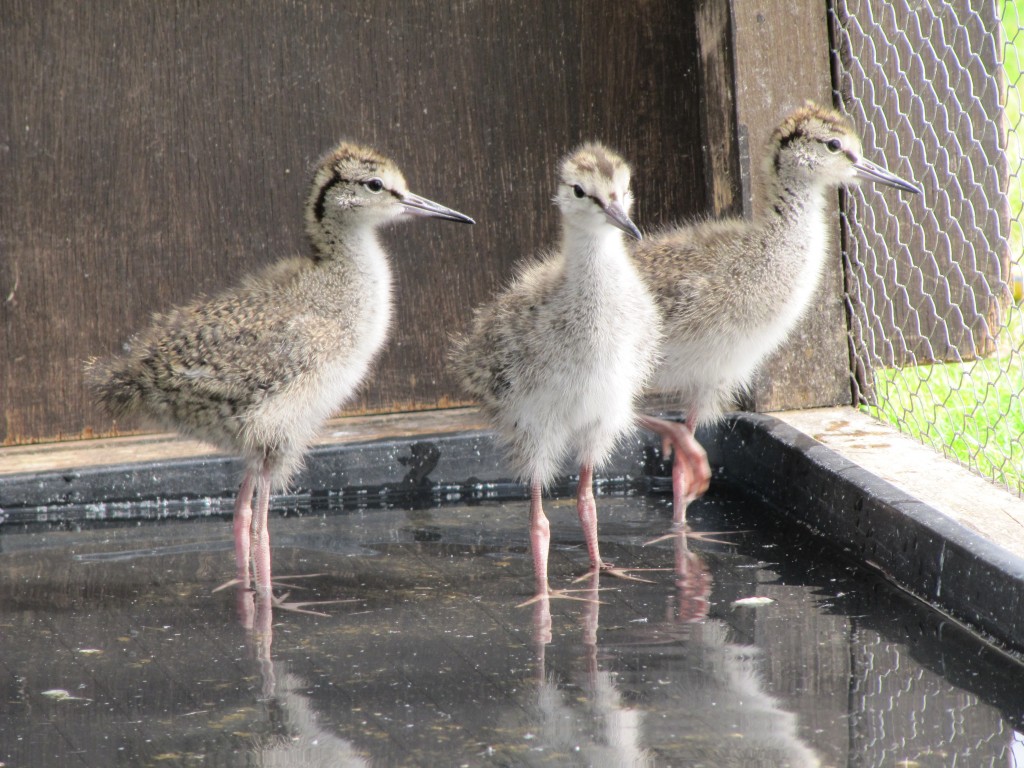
pixel 607 569
pixel 691 472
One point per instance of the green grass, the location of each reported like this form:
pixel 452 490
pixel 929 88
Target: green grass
pixel 974 412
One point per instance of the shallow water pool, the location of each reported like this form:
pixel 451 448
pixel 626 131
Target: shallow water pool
pixel 760 647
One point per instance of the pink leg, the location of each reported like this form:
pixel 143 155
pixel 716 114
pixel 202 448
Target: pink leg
pixel 586 508
pixel 261 535
pixel 681 497
pixel 540 539
pixel 242 522
pixel 252 535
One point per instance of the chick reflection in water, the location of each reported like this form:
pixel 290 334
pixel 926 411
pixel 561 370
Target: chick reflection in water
pixel 292 736
pixel 613 714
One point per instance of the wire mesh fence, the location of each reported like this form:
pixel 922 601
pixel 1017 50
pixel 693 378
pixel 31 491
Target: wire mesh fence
pixel 936 330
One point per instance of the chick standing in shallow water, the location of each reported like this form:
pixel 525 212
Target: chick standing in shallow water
pixel 558 359
pixel 730 291
pixel 257 369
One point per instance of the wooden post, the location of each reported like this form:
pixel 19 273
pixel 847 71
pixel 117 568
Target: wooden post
pixel 780 58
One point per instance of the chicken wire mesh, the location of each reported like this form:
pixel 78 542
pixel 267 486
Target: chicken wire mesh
pixel 935 328
pixel 889 725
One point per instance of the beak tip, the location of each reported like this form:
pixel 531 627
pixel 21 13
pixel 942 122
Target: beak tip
pixel 907 186
pixel 618 218
pixel 420 206
pixel 868 171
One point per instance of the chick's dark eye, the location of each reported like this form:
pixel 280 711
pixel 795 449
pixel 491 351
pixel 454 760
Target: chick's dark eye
pixel 374 185
pixel 578 191
pixel 834 145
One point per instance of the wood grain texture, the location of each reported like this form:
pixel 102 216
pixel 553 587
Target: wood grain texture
pixel 722 175
pixel 781 52
pixel 153 151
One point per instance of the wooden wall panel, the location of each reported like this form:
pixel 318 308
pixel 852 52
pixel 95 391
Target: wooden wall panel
pixel 722 162
pixel 150 151
pixel 781 51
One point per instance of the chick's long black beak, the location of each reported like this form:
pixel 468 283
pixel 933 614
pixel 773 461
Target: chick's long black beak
pixel 867 170
pixel 420 206
pixel 617 216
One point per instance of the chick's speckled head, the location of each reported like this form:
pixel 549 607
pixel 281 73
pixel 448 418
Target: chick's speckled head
pixel 352 177
pixel 819 146
pixel 353 183
pixel 593 189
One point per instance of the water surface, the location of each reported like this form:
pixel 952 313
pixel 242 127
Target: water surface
pixel 116 651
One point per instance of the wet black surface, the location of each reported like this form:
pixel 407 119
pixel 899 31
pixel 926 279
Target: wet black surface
pixel 115 651
pixel 914 544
